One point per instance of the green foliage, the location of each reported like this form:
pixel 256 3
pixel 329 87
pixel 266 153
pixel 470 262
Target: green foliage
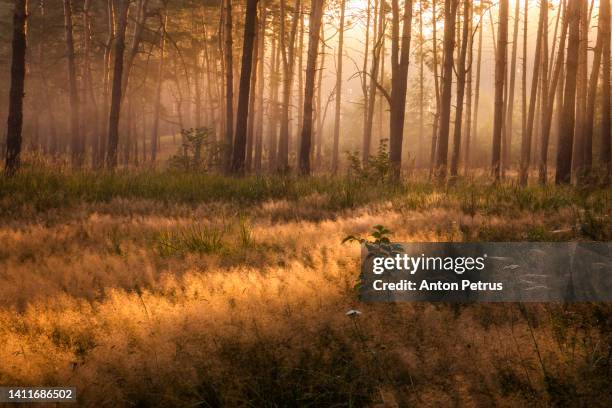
pixel 198 151
pixel 378 167
pixel 379 245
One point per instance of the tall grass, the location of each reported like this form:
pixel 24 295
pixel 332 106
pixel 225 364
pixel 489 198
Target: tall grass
pixel 183 289
pixel 44 189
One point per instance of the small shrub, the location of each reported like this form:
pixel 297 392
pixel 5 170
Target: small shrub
pixel 199 150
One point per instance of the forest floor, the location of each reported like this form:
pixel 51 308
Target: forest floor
pixel 170 289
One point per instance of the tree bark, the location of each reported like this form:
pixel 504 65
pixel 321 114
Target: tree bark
pixel 461 74
pixel 500 76
pixel 400 60
pixel 526 139
pixel 335 150
pixel 592 94
pixel 450 13
pixel 229 85
pixel 510 99
pixel 16 93
pixel 579 143
pixel 253 100
pixel 379 35
pixel 288 55
pixel 141 15
pixel 89 96
pixel 436 119
pixel 566 132
pixel 158 89
pixel 606 151
pixel 316 14
pixel 273 104
pixel 242 114
pixel 121 7
pixel 261 87
pixel 76 152
pixel 469 137
pixel 556 75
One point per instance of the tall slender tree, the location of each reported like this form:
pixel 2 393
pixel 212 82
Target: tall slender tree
pixel 606 151
pixel 158 88
pixel 554 89
pixel 18 72
pixel 579 142
pixel 510 99
pixel 121 7
pixel 527 136
pixel 77 154
pixel 450 16
pixel 316 15
pixel 261 39
pixel 500 76
pixel 288 57
pixel 242 114
pixel 461 78
pixel 400 60
pixel 377 49
pixel 566 132
pixel 476 88
pixel 338 94
pixel 228 51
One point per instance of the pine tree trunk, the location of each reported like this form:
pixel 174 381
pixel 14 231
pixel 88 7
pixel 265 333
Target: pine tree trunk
pixel 229 85
pixel 566 132
pixel 526 140
pixel 592 94
pixel 15 111
pixel 253 101
pixel 141 15
pixel 461 74
pixel 450 13
pixel 335 150
pixel 316 14
pixel 400 61
pixel 273 119
pixel 242 114
pixel 436 120
pixel 77 154
pixel 158 89
pixel 261 88
pixel 510 100
pixel 469 88
pixel 544 81
pixel 89 96
pixel 553 90
pixel 378 38
pixel 500 75
pixel 364 77
pixel 106 78
pixel 318 110
pixel 121 7
pixel 469 137
pixel 288 56
pixel 606 151
pixel 579 145
pixel 524 106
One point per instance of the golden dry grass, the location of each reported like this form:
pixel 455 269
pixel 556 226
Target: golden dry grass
pixel 150 303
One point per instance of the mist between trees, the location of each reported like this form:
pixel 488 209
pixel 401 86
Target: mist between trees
pixel 520 88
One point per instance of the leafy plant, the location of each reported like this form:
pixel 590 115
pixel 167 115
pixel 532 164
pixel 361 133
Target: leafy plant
pixel 376 169
pixel 380 244
pixel 199 150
